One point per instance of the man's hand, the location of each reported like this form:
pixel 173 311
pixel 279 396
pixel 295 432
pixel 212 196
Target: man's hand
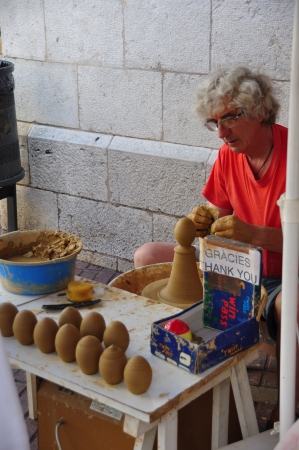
pixel 202 220
pixel 232 227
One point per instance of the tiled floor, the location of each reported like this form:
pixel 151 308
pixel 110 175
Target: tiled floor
pixel 261 372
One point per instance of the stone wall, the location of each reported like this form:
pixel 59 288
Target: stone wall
pixel 104 95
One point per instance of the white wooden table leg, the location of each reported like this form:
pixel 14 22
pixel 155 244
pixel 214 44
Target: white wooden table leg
pixel 143 432
pixel 243 399
pixel 32 395
pixel 220 414
pixel 168 431
pixel 146 440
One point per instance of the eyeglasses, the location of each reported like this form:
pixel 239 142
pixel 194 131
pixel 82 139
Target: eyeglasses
pixel 230 122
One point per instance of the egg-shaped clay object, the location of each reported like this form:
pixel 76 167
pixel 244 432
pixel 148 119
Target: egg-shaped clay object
pixel 70 315
pixel 112 364
pixel 66 341
pixel 44 334
pixel 93 324
pixel 116 333
pixel 8 312
pixel 88 352
pixel 23 326
pixel 138 375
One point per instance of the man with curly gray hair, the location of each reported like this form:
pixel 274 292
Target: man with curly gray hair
pixel 247 178
pixel 237 88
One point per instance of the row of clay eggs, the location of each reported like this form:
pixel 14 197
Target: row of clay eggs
pixel 80 339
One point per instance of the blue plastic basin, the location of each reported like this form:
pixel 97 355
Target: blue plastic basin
pixel 33 278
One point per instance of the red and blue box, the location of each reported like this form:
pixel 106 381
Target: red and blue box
pixel 224 322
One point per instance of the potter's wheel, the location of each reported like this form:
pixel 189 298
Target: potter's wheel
pixel 155 290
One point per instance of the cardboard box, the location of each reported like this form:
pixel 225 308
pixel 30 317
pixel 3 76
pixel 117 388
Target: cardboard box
pixel 224 323
pixel 87 424
pixel 94 426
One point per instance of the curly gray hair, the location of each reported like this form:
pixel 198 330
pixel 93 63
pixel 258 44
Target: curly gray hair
pixel 240 87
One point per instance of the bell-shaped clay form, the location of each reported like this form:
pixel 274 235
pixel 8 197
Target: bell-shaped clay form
pixel 8 312
pixel 184 287
pixel 116 333
pixel 138 375
pixel 88 352
pixel 70 315
pixel 93 324
pixel 66 341
pixel 23 326
pixel 44 334
pixel 112 364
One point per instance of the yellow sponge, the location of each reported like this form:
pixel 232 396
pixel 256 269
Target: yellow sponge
pixel 79 291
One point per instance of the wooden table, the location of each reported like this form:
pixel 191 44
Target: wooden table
pixel 172 388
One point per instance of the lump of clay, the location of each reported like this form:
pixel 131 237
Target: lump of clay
pixel 215 214
pixel 79 291
pixel 23 326
pixel 116 333
pixel 53 245
pixel 8 312
pixel 138 375
pixel 112 364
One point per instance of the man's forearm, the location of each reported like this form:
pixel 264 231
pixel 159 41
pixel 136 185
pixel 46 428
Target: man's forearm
pixel 267 238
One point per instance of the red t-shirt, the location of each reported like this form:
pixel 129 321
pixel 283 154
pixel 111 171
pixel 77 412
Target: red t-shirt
pixel 231 185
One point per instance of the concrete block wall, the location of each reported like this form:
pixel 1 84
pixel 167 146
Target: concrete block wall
pixel 104 95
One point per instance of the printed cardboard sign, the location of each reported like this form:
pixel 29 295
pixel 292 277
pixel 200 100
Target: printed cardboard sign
pixel 232 281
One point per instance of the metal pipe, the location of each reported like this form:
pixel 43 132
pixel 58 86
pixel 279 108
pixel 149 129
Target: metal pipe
pixel 290 221
pixel 60 422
